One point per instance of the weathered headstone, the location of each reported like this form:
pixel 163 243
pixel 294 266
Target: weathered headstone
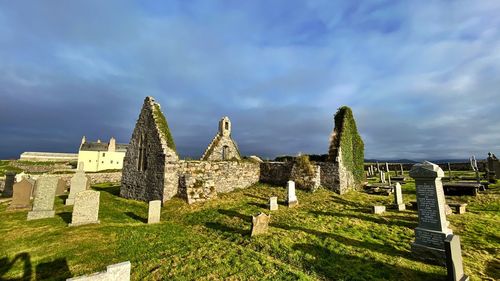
pixel 378 166
pixel 115 272
pixel 86 208
pixel 273 203
pixel 79 182
pixel 398 197
pixel 432 227
pixel 10 178
pixel 291 197
pixel 387 167
pixel 382 176
pixel 61 187
pixel 402 170
pixel 378 209
pixel 389 179
pixel 43 205
pixel 21 199
pixel 154 211
pixel 260 224
pixel 454 265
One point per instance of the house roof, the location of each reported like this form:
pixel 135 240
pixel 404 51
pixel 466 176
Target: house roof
pixel 102 146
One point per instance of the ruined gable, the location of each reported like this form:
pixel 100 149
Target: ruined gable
pixel 347 149
pixel 222 147
pixel 151 147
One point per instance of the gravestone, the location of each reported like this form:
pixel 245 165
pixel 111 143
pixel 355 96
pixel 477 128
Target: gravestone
pixel 273 203
pixel 389 178
pixel 432 226
pixel 291 197
pixel 10 178
pixel 115 272
pixel 154 211
pixel 387 167
pixel 454 265
pixel 382 176
pixel 260 224
pixel 378 166
pixel 378 209
pixel 398 197
pixel 79 182
pixel 21 198
pixel 86 208
pixel 402 170
pixel 43 205
pixel 61 187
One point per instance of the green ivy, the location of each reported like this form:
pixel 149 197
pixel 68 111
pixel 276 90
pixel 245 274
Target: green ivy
pixel 346 137
pixel 163 125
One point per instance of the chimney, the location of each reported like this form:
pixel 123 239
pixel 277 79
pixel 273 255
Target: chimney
pixel 83 141
pixel 112 145
pixel 98 141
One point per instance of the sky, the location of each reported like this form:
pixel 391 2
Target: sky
pixel 422 77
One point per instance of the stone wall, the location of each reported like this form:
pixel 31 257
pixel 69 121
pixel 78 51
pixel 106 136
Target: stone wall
pixel 95 178
pixel 329 176
pixel 277 173
pixel 304 179
pixel 463 166
pixel 144 163
pixel 194 179
pixel 34 168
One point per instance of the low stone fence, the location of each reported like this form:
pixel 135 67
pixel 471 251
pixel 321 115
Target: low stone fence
pixel 464 166
pixel 202 180
pixel 96 178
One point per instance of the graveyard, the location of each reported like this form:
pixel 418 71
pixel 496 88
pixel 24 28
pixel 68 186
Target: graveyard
pixel 325 235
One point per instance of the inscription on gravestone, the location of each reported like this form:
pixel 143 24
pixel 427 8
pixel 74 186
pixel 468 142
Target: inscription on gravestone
pixel 86 209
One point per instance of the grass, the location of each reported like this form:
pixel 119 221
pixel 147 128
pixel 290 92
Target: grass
pixel 327 237
pixel 5 166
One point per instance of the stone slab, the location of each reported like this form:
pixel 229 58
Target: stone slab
pixel 154 211
pixel 273 203
pixel 115 272
pixel 21 198
pixel 61 187
pixel 86 208
pixel 378 209
pixel 454 263
pixel 43 204
pixel 260 224
pixel 79 182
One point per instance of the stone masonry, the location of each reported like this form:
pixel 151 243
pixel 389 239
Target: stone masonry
pixel 222 147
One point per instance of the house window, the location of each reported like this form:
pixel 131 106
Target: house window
pixel 111 161
pixel 227 125
pixel 103 154
pixel 90 161
pixel 102 162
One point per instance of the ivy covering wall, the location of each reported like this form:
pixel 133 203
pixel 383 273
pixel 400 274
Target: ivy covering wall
pixel 346 137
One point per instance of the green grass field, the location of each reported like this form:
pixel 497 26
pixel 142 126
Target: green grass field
pixel 327 237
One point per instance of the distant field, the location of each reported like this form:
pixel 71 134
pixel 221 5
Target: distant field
pixel 327 237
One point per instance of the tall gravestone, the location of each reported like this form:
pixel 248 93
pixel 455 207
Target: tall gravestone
pixel 10 178
pixel 79 182
pixel 21 198
pixel 402 170
pixel 43 205
pixel 454 265
pixel 382 176
pixel 387 167
pixel 86 208
pixel 398 197
pixel 154 211
pixel 432 224
pixel 61 187
pixel 291 197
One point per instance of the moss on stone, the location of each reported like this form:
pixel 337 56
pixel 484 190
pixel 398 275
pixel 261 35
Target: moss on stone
pixel 347 138
pixel 163 126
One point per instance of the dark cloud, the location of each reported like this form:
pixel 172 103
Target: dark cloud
pixel 422 78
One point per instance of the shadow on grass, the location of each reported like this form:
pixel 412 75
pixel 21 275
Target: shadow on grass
pixel 224 228
pixel 114 190
pixel 366 217
pixel 335 266
pixel 374 247
pixel 6 265
pixel 65 216
pixel 136 217
pixel 256 197
pixel 260 205
pixel 54 270
pixel 343 201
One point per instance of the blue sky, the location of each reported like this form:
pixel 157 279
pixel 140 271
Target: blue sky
pixel 422 77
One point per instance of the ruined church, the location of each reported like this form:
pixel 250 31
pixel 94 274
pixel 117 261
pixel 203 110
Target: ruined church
pixel 152 169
